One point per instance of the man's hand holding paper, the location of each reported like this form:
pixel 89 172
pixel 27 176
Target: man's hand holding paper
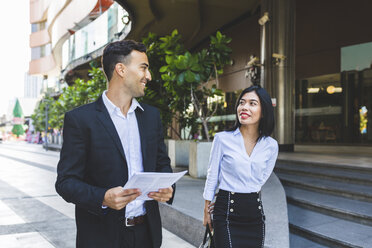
pixel 163 195
pixel 117 198
pixel 154 186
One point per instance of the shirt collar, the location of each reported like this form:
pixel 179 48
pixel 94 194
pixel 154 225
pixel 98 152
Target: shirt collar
pixel 237 131
pixel 111 107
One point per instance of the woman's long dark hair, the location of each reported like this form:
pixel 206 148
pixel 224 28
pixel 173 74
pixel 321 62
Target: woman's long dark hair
pixel 267 122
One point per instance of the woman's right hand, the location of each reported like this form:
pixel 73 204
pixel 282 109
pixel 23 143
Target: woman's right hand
pixel 208 209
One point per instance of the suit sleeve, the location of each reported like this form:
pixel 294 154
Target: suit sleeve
pixel 71 169
pixel 162 158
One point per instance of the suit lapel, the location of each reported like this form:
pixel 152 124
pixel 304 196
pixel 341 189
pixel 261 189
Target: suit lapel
pixel 142 132
pixel 105 119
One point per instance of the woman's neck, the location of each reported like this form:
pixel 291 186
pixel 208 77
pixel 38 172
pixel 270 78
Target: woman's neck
pixel 249 132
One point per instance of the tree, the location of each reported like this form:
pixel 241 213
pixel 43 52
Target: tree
pixel 158 91
pixel 17 119
pixel 187 77
pixel 73 96
pixel 38 117
pixel 80 93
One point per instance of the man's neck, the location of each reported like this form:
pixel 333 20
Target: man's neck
pixel 120 100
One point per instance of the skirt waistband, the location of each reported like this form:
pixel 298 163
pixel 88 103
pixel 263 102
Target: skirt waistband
pixel 222 192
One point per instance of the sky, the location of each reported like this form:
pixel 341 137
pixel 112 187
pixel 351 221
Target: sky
pixel 15 51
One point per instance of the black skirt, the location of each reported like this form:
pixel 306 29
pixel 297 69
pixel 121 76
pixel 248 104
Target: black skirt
pixel 238 220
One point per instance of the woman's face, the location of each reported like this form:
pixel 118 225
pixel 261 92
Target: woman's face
pixel 249 109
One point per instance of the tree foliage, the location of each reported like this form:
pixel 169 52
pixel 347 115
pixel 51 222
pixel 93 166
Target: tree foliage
pixel 181 78
pixel 73 96
pixel 188 75
pixel 17 119
pixel 157 91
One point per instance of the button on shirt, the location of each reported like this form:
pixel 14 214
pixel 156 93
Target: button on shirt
pixel 127 129
pixel 232 169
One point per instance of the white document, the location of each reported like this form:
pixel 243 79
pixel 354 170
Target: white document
pixel 151 182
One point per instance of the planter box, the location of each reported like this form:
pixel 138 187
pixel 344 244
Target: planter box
pixel 182 148
pixel 171 149
pixel 178 152
pixel 199 158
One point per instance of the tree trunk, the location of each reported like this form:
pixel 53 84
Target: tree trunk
pixel 205 127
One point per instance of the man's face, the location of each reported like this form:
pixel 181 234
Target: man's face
pixel 137 74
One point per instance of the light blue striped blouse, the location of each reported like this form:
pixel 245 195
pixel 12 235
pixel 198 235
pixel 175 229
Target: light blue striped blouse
pixel 230 167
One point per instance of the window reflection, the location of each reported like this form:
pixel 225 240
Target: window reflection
pixel 95 35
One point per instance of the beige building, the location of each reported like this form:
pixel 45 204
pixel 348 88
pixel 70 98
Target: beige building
pixel 52 23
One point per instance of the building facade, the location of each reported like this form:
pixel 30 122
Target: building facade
pixel 331 61
pixel 315 56
pixel 33 86
pixel 52 23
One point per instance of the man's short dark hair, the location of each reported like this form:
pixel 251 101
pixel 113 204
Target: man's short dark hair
pixel 267 121
pixel 119 52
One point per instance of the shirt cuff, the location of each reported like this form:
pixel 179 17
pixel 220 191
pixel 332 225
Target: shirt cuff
pixel 208 196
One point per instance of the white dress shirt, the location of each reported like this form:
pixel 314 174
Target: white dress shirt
pixel 127 129
pixel 232 169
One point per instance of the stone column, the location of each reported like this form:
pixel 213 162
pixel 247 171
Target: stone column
pixel 278 59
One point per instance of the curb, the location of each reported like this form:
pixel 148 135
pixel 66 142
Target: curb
pixel 186 227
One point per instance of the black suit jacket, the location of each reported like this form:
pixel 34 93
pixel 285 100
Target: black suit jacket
pixel 92 161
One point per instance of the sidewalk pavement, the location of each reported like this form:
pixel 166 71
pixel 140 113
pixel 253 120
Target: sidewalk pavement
pixel 31 212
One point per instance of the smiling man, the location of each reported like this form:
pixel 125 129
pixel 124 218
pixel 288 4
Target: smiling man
pixel 105 143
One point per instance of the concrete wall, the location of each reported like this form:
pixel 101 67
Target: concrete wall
pixel 182 148
pixel 323 27
pixel 39 38
pixel 41 65
pixel 38 10
pixel 245 42
pixel 199 158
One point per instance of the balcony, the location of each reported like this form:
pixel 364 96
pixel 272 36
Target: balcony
pixel 87 43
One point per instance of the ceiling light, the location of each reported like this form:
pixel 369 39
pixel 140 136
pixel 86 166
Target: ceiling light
pixel 312 90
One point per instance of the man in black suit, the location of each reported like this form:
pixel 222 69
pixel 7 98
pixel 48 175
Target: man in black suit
pixel 105 143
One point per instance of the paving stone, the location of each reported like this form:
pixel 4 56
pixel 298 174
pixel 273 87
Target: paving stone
pixel 25 240
pixel 8 216
pixel 16 228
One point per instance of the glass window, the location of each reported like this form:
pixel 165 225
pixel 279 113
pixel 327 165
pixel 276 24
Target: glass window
pixel 318 111
pixel 96 34
pixel 336 108
pixel 35 27
pixel 35 53
pixel 41 51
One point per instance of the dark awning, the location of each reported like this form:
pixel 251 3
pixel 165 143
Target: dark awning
pixel 194 19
